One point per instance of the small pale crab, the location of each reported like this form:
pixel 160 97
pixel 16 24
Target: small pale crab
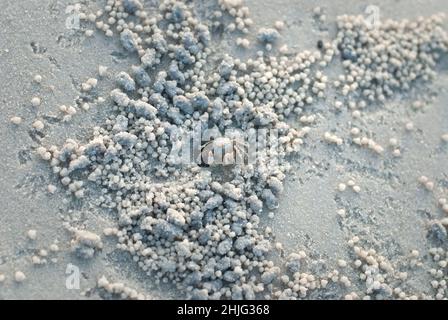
pixel 225 151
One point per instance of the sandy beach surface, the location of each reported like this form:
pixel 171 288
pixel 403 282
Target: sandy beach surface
pixel 392 212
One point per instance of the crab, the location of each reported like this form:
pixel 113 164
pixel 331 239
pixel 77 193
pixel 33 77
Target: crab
pixel 224 151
